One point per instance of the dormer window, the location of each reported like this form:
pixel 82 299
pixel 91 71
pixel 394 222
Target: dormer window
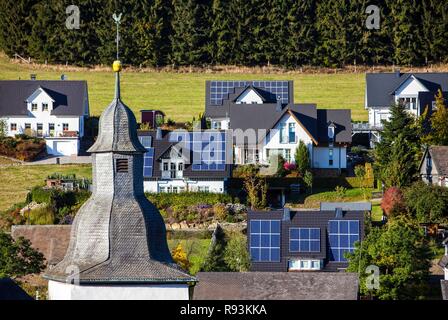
pixel 44 106
pixel 34 107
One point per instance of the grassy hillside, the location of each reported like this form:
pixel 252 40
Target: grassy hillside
pixel 16 180
pixel 182 95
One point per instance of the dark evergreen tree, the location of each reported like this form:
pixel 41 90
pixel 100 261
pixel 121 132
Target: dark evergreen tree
pixel 152 31
pixel 222 33
pixel 401 126
pixel 407 37
pixel 215 259
pixel 15 26
pixel 300 43
pixel 332 41
pixel 191 30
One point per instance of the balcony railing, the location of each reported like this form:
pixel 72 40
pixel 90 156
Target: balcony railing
pixel 365 126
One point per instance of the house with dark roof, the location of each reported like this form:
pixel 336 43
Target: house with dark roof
pixel 264 121
pixel 434 166
pixel 303 240
pixel 179 160
pixel 53 110
pixel 415 90
pixel 276 286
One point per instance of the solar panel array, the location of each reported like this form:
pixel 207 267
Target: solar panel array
pixel 219 90
pixel 342 236
pixel 209 149
pixel 304 240
pixel 148 158
pixel 265 240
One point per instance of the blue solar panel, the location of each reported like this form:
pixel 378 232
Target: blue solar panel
pixel 209 151
pixel 148 157
pixel 219 90
pixel 265 240
pixel 342 235
pixel 304 239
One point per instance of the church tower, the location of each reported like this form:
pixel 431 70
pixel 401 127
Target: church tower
pixel 118 247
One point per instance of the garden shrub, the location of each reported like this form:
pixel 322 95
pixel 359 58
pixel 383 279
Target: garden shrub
pixel 220 212
pixel 22 147
pixel 41 216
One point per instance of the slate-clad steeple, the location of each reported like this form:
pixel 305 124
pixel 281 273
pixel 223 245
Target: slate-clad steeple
pixel 118 236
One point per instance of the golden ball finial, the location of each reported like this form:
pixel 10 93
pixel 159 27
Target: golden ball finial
pixel 117 66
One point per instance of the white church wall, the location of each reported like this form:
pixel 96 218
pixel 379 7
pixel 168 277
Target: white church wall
pixel 65 291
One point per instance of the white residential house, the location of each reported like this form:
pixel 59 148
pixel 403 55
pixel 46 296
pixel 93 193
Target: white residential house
pixel 265 121
pixel 53 110
pixel 415 90
pixel 181 161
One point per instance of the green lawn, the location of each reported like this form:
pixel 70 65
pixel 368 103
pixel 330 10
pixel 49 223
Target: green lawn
pixel 318 196
pixel 196 250
pixel 182 95
pixel 15 181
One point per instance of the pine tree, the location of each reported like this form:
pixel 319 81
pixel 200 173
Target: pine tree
pixel 401 124
pixel 332 37
pixel 215 259
pixel 406 31
pixel 300 43
pixel 302 158
pixel 191 29
pixel 152 30
pixel 15 26
pixel 222 33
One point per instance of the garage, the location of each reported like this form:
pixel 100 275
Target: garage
pixel 62 147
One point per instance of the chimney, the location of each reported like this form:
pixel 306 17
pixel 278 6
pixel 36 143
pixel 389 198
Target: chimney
pixel 286 214
pixel 159 134
pixel 279 104
pixel 33 76
pixel 339 214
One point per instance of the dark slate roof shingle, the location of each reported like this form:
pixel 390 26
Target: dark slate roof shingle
pixel 276 286
pixel 69 96
pixel 381 86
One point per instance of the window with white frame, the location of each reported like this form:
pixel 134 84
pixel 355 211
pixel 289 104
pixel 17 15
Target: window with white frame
pixel 44 106
pixel 292 132
pixel 65 127
pixel 13 126
pixel 283 133
pixel 34 107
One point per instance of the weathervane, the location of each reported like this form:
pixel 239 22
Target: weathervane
pixel 117 22
pixel 116 66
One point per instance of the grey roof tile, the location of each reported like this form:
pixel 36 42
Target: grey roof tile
pixel 276 286
pixel 380 86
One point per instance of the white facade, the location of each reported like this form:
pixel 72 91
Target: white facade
pixel 40 122
pixel 293 133
pixel 284 139
pixel 180 185
pixel 329 158
pixel 220 123
pixel 64 291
